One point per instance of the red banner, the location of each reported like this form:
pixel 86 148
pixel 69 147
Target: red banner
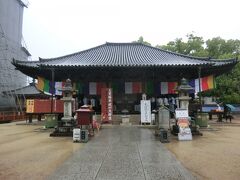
pixel 106 104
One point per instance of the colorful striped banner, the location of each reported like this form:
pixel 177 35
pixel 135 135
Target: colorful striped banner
pixel 49 88
pixel 157 88
pixel 172 86
pixel 100 86
pixel 118 87
pixel 192 84
pixel 46 87
pixel 149 88
pixel 137 87
pixel 164 87
pixel 133 87
pixel 85 88
pixel 95 87
pixel 92 88
pixel 206 83
pixel 197 84
pixel 52 87
pixel 115 87
pixel 58 88
pixel 79 88
pixel 40 84
pixel 168 87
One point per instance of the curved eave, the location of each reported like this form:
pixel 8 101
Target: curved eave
pixel 225 62
pixel 122 66
pixel 37 64
pixel 30 64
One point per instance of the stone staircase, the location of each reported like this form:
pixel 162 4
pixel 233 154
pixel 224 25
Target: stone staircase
pixel 134 119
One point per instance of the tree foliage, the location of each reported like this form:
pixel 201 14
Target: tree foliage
pixel 227 85
pixel 141 40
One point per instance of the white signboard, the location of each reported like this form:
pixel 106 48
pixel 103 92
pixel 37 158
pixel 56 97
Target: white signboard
pixel 184 134
pixel 76 135
pixel 184 130
pixel 181 113
pixel 145 111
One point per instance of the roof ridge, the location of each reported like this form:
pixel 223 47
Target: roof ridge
pixel 122 43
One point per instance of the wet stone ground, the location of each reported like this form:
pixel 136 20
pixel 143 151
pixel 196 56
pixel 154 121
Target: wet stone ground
pixel 122 153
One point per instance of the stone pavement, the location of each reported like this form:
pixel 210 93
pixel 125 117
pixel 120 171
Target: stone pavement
pixel 122 153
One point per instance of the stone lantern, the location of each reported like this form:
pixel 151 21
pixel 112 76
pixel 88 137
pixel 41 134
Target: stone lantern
pixel 67 101
pixel 183 90
pixel 66 125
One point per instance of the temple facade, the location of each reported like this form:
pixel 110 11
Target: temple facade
pixel 130 69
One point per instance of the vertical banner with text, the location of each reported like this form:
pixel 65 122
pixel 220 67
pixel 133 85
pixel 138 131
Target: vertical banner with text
pixel 107 105
pixel 145 111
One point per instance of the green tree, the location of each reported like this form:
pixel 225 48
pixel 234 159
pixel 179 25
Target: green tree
pixel 141 40
pixel 194 46
pixel 215 47
pixel 228 85
pixel 175 46
pixel 220 48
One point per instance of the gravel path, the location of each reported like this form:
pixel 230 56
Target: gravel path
pixel 122 153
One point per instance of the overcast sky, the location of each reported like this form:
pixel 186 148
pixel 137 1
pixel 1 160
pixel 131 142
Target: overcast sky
pixel 53 28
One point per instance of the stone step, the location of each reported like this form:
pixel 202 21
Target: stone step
pixel 132 121
pixel 117 119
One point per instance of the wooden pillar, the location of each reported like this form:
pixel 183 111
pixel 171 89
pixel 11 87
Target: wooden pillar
pixel 30 118
pixel 52 89
pixel 199 83
pixel 39 117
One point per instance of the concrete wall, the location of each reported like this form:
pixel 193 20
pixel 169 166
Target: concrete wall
pixel 11 19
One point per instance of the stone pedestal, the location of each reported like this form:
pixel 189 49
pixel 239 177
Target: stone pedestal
pixel 184 102
pixel 67 114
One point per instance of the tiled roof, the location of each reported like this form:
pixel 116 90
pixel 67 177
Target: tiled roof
pixel 124 55
pixel 26 90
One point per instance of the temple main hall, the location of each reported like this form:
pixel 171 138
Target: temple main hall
pixel 130 69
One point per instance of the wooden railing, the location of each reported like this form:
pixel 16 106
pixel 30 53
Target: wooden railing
pixel 12 116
